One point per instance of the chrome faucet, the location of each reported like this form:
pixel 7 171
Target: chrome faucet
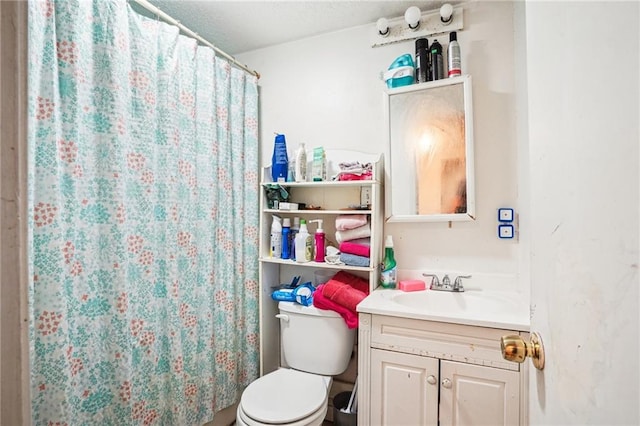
pixel 445 285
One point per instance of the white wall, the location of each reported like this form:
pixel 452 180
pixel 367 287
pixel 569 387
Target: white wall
pixel 327 91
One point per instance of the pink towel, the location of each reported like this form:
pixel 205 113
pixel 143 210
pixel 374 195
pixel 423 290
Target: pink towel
pixel 363 231
pixel 321 302
pixel 354 248
pixel 350 221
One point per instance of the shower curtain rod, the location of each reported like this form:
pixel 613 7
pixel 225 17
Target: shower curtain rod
pixel 156 11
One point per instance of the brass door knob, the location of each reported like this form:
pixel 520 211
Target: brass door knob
pixel 515 349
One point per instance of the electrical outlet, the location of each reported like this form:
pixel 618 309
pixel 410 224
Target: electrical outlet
pixel 365 196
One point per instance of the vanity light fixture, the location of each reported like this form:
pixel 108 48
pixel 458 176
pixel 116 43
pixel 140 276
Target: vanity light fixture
pixel 383 27
pixel 416 24
pixel 446 14
pixel 412 17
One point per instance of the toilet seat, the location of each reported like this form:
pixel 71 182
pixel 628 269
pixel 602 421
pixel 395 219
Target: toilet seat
pixel 284 397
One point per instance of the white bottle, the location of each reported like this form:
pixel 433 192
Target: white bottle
pixel 304 246
pixel 453 55
pixel 275 249
pixel 301 164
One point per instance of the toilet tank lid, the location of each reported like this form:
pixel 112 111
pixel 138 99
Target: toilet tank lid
pixel 296 308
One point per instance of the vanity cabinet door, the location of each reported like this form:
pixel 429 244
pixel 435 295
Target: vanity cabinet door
pixel 477 395
pixel 404 389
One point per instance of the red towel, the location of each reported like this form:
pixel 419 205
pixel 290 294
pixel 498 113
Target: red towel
pixel 352 280
pixel 321 302
pixel 354 248
pixel 343 295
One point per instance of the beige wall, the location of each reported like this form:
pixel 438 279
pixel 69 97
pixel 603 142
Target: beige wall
pixel 14 375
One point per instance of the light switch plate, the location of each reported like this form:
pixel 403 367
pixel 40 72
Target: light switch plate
pixel 505 215
pixel 505 231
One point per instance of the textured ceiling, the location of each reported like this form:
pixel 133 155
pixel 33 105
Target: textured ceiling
pixel 240 26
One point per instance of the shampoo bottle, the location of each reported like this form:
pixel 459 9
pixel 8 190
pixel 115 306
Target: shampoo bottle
pixel 389 274
pixel 320 241
pixel 453 55
pixel 286 244
pixel 292 236
pixel 276 237
pixel 279 160
pixel 304 248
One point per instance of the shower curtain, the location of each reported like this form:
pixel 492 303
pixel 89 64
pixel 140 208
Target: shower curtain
pixel 143 196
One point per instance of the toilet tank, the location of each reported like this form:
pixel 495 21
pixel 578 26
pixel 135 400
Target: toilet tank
pixel 314 340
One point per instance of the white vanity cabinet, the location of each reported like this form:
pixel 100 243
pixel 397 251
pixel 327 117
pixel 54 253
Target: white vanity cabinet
pixel 416 372
pixel 333 198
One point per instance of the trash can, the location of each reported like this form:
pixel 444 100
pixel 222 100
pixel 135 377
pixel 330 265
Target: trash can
pixel 341 400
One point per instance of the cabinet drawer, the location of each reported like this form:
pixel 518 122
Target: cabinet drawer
pixel 473 345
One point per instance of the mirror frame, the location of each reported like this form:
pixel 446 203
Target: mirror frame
pixel 465 81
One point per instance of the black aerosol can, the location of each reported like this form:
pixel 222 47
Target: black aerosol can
pixel 422 60
pixel 435 57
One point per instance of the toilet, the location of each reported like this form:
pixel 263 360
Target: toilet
pixel 316 345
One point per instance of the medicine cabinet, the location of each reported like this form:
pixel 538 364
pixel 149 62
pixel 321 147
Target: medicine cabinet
pixel 430 174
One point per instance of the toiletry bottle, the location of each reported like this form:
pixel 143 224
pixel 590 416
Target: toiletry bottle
pixel 292 237
pixel 389 274
pixel 276 237
pixel 422 60
pixel 301 164
pixel 320 240
pixel 435 57
pixel 304 247
pixel 279 160
pixel 286 244
pixel 453 55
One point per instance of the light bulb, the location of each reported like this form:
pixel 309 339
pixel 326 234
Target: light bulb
pixel 383 27
pixel 412 16
pixel 446 13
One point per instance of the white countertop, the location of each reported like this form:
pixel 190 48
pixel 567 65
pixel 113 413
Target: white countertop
pixel 477 307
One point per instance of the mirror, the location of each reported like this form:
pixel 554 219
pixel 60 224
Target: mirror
pixel 429 176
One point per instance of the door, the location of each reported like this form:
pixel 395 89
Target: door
pixel 582 75
pixel 404 389
pixel 477 395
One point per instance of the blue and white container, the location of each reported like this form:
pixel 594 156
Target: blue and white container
pixel 400 72
pixel 279 160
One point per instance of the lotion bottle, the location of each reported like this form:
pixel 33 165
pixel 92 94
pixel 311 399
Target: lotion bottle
pixel 304 247
pixel 301 164
pixel 276 237
pixel 320 241
pixel 286 244
pixel 292 236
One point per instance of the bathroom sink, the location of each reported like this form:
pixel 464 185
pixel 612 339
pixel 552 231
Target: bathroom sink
pixel 444 302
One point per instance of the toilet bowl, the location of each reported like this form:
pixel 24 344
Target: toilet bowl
pixel 285 397
pixel 316 345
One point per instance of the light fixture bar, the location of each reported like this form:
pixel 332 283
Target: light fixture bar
pixel 430 25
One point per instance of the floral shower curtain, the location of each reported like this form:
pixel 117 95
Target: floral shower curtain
pixel 143 195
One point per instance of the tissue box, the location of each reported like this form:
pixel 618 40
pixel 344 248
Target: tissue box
pixel 288 206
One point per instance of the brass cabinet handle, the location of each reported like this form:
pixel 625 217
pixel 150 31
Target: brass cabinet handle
pixel 515 349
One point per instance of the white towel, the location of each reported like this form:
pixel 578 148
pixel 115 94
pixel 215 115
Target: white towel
pixel 363 231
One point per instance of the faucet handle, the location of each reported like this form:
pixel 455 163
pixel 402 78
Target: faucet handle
pixel 458 281
pixel 435 282
pixel 446 281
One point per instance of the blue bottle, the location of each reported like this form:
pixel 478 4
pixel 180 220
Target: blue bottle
pixel 286 240
pixel 279 160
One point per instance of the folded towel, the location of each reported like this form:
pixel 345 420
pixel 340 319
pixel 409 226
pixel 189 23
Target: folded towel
pixel 351 234
pixel 350 221
pixel 362 241
pixel 321 302
pixel 353 248
pixel 343 294
pixel 354 281
pixel 354 260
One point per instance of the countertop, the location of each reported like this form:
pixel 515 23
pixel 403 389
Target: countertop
pixel 476 307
